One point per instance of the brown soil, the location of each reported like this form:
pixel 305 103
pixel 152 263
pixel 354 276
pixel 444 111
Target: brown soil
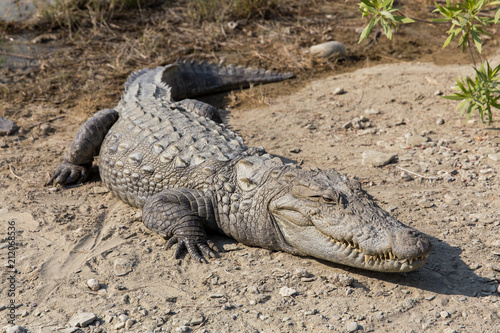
pixel 67 236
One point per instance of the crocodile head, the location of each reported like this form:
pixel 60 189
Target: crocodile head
pixel 325 215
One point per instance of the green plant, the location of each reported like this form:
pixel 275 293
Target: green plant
pixel 380 11
pixel 467 21
pixel 479 94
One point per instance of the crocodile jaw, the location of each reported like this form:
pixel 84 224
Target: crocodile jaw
pixel 309 240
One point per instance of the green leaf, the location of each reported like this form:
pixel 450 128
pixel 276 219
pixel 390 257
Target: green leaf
pixel 387 15
pixel 402 19
pixel 455 97
pixel 449 39
pixel 387 28
pixel 366 32
pixel 497 14
pixel 477 39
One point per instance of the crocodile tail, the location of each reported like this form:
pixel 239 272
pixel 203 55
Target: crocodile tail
pixel 189 79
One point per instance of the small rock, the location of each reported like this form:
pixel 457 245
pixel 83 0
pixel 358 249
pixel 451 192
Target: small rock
pixel 438 93
pixel 3 144
pixel 494 157
pixel 343 279
pixel 347 125
pixel 45 128
pixel 352 326
pixel 329 49
pixel 82 319
pixel 371 111
pixel 197 320
pixel 444 314
pixel 300 272
pixel 7 127
pixel 405 176
pixel 183 329
pixel 339 91
pixel 416 140
pixel 122 267
pixel 14 329
pixel 295 150
pixel 93 284
pixel 287 292
pixel 129 323
pixel 123 318
pixel 440 121
pixel 119 326
pixel 377 159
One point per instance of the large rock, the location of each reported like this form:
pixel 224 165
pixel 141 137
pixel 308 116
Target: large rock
pixel 82 319
pixel 329 49
pixel 7 127
pixel 377 159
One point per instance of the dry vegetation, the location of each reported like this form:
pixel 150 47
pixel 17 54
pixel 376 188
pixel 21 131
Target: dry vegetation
pixel 92 46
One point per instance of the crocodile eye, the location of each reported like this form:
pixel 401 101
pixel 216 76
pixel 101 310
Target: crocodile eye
pixel 327 199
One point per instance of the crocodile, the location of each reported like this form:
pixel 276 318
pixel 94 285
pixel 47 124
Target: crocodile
pixel 169 154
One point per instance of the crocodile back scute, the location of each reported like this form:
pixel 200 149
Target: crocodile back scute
pixel 155 143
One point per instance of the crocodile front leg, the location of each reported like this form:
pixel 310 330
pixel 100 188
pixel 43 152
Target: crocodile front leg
pixel 181 215
pixel 81 152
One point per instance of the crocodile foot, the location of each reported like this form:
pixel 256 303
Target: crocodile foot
pixel 197 249
pixel 68 173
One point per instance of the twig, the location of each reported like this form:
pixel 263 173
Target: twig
pixel 46 121
pixel 355 105
pixel 415 174
pixel 12 172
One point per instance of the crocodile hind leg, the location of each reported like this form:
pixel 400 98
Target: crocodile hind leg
pixel 201 108
pixel 81 152
pixel 181 215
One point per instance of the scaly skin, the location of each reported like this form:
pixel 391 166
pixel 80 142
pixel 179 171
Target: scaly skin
pixel 188 173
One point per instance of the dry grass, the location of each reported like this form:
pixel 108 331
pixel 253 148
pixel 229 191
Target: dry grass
pixel 87 65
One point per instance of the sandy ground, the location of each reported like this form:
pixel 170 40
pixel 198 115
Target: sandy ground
pixel 450 191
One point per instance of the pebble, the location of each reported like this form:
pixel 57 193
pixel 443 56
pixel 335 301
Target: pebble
pixel 196 320
pixel 405 176
pixel 287 292
pixel 416 140
pixel 339 91
pixel 183 329
pixel 371 111
pixel 302 273
pixel 494 157
pixel 440 121
pixel 93 284
pixel 444 314
pixel 377 159
pixel 123 318
pixel 14 329
pixel 332 49
pixel 352 326
pixel 438 93
pixel 45 128
pixel 122 267
pixel 119 326
pixel 7 127
pixel 295 150
pixel 82 319
pixel 129 323
pixel 3 144
pixel 342 279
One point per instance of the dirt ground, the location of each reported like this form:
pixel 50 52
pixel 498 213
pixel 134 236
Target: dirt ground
pixel 444 182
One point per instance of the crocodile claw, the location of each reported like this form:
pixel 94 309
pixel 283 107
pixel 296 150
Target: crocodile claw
pixel 68 173
pixel 197 249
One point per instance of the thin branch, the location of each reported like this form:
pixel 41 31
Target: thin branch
pixel 13 173
pixel 416 174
